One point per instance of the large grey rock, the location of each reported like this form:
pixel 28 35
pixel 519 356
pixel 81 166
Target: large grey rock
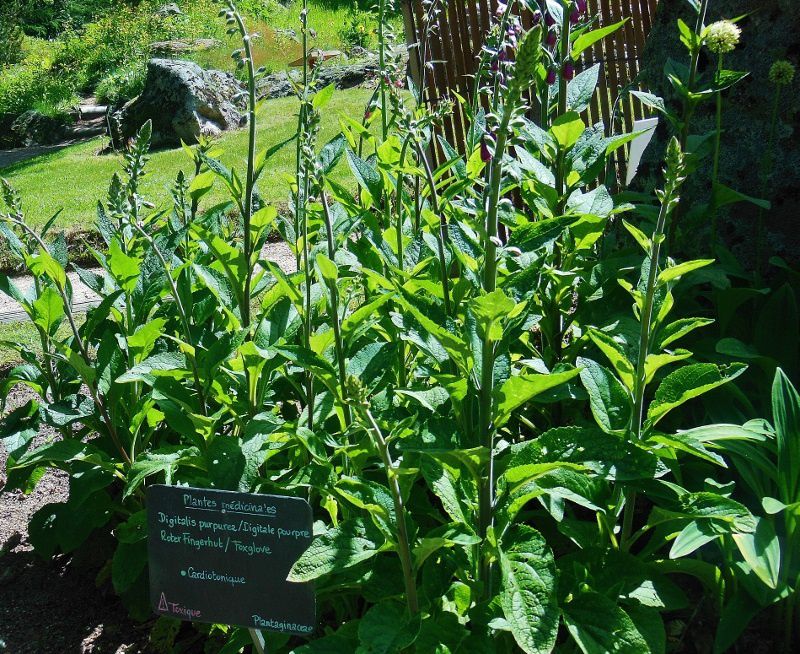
pixel 344 76
pixel 183 101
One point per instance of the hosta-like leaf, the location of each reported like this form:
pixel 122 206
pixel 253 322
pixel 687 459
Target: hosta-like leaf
pixel 528 592
pixel 762 551
pixel 342 547
pixel 599 626
pixel 609 400
pixel 616 355
pixel 687 383
pixel 166 460
pixel 387 629
pixel 520 389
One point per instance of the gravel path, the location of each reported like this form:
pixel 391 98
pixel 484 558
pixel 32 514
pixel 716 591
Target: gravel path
pixel 84 298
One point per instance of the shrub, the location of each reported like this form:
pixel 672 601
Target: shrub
pixel 10 37
pixel 122 85
pixel 31 86
pixel 357 31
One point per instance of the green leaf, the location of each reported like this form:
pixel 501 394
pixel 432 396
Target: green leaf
pixel 342 547
pixel 489 310
pixel 528 593
pixel 534 235
pixel 616 356
pixel 387 628
pixel 202 184
pixel 567 129
pixel 142 341
pixel 166 459
pixel 599 626
pixel 786 415
pixel 609 400
pixel 520 389
pixel 323 97
pixel 443 537
pixel 367 176
pixel 687 383
pixel 588 39
pixel 723 195
pixel 692 537
pixel 128 563
pixel 48 310
pixel 123 268
pixel 762 551
pixel 580 89
pixel 681 269
pixel 680 328
pixel 641 238
pixel 327 268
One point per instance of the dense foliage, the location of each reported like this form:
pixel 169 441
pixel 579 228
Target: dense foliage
pixel 478 375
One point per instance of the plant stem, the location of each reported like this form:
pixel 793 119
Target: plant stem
pixel 715 167
pixel 403 545
pixel 249 188
pixel 335 319
pixel 442 232
pixel 668 201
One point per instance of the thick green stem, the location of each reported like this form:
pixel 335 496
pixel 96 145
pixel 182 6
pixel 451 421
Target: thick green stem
pixel 403 543
pixel 249 187
pixel 668 201
pixel 334 300
pixel 715 166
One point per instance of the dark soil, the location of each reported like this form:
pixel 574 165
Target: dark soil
pixel 54 607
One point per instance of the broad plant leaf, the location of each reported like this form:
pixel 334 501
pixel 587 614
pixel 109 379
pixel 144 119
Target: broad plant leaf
pixel 528 592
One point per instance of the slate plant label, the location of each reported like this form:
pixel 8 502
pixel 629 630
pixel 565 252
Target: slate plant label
pixel 223 557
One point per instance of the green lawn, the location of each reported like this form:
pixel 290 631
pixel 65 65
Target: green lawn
pixel 75 178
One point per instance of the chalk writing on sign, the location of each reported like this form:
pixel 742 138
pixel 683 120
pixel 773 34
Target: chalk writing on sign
pixel 223 557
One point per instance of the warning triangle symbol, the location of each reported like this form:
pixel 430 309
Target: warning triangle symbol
pixel 162 604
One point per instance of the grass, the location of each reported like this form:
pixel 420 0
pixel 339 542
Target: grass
pixel 75 178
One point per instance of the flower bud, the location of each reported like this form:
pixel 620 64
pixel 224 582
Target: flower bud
pixel 537 17
pixel 549 20
pixel 552 38
pixel 486 153
pixel 581 4
pixel 568 72
pixel 574 17
pixel 781 73
pixel 551 76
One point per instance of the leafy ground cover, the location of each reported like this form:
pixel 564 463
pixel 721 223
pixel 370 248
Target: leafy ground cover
pixel 511 393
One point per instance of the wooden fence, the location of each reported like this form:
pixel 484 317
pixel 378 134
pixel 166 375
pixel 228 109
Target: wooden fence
pixel 446 37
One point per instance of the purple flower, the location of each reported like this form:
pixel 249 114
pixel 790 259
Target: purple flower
pixel 486 153
pixel 575 17
pixel 551 76
pixel 581 5
pixel 568 71
pixel 552 38
pixel 549 20
pixel 537 17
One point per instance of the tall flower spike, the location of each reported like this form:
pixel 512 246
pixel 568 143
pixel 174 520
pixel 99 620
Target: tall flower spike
pixel 527 58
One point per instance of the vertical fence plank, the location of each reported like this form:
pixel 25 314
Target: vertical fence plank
pixel 447 57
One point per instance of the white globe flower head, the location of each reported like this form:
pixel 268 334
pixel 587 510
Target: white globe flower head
pixel 722 37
